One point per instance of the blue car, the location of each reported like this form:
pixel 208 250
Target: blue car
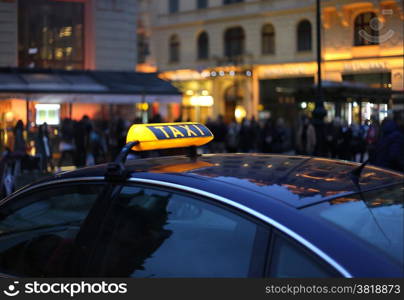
pixel 217 215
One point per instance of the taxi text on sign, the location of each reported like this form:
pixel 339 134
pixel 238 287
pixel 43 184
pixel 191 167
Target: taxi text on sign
pixel 168 135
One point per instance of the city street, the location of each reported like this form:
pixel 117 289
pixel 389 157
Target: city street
pixel 201 139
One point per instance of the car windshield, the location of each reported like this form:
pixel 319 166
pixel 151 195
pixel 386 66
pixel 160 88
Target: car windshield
pixel 375 217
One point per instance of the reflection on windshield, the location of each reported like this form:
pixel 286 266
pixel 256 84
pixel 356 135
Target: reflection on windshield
pixel 162 234
pixel 375 217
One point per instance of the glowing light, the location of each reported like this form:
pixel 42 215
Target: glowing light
pixel 47 113
pixel 221 73
pixel 213 74
pixel 201 101
pixel 69 51
pixel 232 73
pixel 240 113
pixel 205 74
pixel 9 116
pixel 205 93
pixel 189 92
pixel 59 53
pixel 303 105
pixel 144 106
pixel 355 104
pixel 47 106
pixel 248 73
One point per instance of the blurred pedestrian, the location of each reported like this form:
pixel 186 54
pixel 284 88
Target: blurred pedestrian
pixel 66 145
pixel 219 130
pixel 82 131
pixel 19 140
pixel 43 148
pixel 232 138
pixel 372 137
pixel 97 147
pixel 389 150
pixel 267 136
pixel 333 137
pixel 305 137
pixel 244 136
pixel 255 134
pixel 282 137
pixel 345 151
pixel 356 142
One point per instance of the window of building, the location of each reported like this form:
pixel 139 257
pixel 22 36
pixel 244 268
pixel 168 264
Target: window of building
pixel 173 6
pixel 366 29
pixel 203 46
pixel 304 36
pixel 174 49
pixel 234 42
pixel 231 1
pixel 50 34
pixel 201 4
pixel 268 39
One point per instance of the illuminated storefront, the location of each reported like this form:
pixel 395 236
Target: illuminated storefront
pixel 38 96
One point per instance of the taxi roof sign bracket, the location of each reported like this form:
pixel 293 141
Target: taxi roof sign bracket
pixel 116 170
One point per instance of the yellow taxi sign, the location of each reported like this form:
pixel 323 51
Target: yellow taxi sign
pixel 168 135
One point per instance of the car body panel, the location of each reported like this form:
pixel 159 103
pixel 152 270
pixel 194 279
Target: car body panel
pixel 272 188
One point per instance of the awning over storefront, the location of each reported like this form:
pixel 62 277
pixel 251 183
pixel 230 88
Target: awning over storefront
pixel 341 91
pixel 59 86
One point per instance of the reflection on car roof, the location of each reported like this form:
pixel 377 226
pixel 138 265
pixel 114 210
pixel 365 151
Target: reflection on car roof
pixel 296 180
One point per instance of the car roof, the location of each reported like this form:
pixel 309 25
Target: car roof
pixel 295 180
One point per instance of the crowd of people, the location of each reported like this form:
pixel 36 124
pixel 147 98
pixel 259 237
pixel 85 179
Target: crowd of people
pixel 381 144
pixel 88 142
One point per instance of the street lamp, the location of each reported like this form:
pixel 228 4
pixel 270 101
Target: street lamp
pixel 319 112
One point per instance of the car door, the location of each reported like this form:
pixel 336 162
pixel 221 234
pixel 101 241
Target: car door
pixel 158 232
pixel 39 229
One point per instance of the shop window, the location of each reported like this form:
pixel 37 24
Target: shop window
pixel 47 113
pixel 174 49
pixel 203 46
pixel 366 29
pixel 304 36
pixel 173 6
pixel 50 34
pixel 234 40
pixel 268 39
pixel 201 4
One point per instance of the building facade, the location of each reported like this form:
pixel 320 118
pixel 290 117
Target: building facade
pixel 68 34
pixel 251 58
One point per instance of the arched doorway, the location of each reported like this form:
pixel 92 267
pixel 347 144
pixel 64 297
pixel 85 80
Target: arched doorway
pixel 233 96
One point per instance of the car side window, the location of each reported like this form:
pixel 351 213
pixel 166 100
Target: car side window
pixel 38 230
pixel 160 233
pixel 289 260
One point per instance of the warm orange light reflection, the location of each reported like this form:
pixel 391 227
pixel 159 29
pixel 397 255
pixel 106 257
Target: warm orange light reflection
pixel 316 177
